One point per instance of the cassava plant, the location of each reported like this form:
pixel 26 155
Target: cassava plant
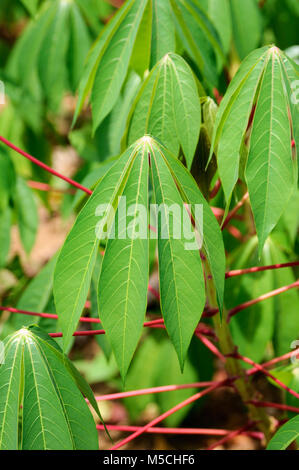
pixel 182 260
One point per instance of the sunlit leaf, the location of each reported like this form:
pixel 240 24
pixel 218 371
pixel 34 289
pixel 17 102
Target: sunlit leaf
pixel 54 414
pixel 77 257
pixel 168 107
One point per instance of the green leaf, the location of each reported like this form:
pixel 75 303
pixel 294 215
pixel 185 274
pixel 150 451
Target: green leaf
pixel 78 379
pixel 285 435
pixel 213 246
pixel 95 12
pixel 119 114
pixel 96 53
pixel 91 179
pixel 263 80
pixel 113 61
pixel 247 25
pixel 27 214
pixel 54 414
pixel 31 6
pixel 163 31
pixel 22 63
pixel 168 107
pixel 198 36
pixel 77 257
pixel 36 296
pixel 291 76
pixel 252 330
pixel 236 121
pixel 52 54
pixel 219 12
pixel 10 396
pixel 122 291
pixel 180 270
pixel 270 171
pixel 286 303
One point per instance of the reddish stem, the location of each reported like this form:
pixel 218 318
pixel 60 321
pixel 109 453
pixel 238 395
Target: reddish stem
pixel 152 390
pixel 210 346
pixel 158 323
pixel 274 361
pixel 44 166
pixel 45 315
pixel 215 190
pixel 154 292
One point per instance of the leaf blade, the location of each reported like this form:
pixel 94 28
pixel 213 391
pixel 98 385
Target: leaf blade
pixel 122 292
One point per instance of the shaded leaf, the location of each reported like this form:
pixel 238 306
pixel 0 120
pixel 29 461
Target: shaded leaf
pixel 168 107
pixel 180 270
pixel 247 25
pixel 163 32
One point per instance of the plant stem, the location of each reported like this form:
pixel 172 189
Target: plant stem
pixel 233 366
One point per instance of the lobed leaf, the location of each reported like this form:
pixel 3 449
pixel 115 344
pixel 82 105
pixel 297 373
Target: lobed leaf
pixel 54 414
pixel 168 107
